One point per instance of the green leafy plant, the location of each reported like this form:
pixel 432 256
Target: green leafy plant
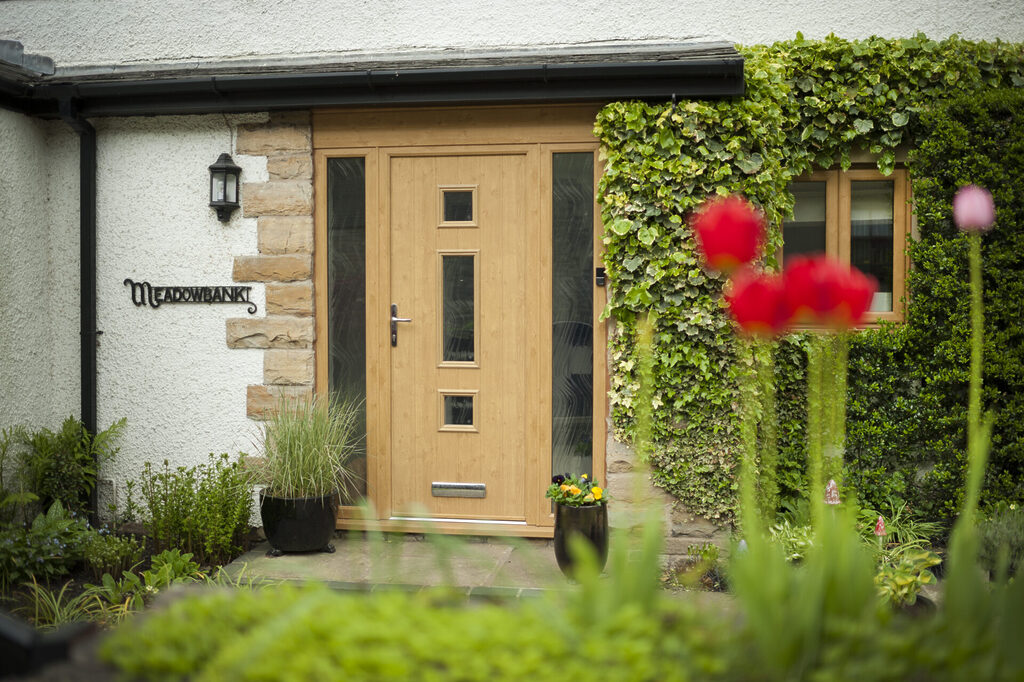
pixel 11 498
pixel 62 465
pixel 203 509
pixel 575 491
pixel 903 526
pixel 48 548
pixel 794 540
pixel 1002 541
pixel 900 582
pixel 132 591
pixel 49 609
pixel 306 446
pixel 106 552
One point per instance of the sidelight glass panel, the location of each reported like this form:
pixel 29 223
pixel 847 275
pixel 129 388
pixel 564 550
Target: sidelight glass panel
pixel 458 305
pixel 458 206
pixel 346 296
pixel 871 235
pixel 804 233
pixel 458 410
pixel 572 312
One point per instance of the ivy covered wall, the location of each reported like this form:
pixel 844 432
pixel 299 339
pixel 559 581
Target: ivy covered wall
pixel 809 104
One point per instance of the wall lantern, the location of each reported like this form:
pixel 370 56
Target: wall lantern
pixel 224 186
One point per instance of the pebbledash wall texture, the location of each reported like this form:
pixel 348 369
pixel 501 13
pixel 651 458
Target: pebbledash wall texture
pixel 190 379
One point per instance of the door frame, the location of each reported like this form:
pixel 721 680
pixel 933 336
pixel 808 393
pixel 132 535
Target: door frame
pixel 374 134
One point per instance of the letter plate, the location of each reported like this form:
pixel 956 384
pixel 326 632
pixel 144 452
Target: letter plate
pixel 439 489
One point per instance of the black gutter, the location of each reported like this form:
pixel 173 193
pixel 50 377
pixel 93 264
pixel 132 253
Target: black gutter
pixel 89 336
pixel 554 83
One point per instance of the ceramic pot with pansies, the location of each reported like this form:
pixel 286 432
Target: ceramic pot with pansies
pixel 581 511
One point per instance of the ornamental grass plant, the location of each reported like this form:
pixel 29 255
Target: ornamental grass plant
pixel 307 447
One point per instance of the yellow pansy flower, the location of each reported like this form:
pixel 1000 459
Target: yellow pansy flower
pixel 574 490
pixel 597 492
pixel 564 487
pixel 589 497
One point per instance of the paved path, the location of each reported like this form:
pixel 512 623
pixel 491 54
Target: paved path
pixel 480 566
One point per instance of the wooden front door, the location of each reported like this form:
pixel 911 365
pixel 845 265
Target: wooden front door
pixel 478 225
pixel 461 224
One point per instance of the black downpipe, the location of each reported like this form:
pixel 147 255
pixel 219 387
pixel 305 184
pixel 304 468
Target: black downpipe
pixel 89 335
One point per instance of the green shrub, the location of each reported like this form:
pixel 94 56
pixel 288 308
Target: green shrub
pixel 106 552
pixel 50 547
pixel 203 509
pixel 62 465
pixel 12 497
pixel 1002 539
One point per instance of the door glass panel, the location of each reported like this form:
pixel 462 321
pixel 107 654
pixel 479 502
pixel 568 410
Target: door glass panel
pixel 804 234
pixel 346 297
pixel 458 305
pixel 458 410
pixel 458 206
pixel 871 235
pixel 572 311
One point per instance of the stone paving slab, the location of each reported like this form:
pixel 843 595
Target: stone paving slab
pixel 409 562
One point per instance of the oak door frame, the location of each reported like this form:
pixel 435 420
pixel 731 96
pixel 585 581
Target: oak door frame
pixel 374 135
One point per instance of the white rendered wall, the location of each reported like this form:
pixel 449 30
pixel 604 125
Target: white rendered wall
pixel 39 319
pixel 124 31
pixel 168 370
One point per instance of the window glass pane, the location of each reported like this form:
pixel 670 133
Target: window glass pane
pixel 346 296
pixel 457 294
pixel 458 206
pixel 871 235
pixel 805 232
pixel 458 410
pixel 572 310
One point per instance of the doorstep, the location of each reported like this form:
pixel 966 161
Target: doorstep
pixel 484 568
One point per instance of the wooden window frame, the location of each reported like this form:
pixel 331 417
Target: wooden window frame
pixel 838 194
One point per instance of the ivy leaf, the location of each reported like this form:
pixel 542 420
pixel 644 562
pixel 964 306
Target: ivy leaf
pixel 863 126
pixel 900 118
pixel 647 235
pixel 633 263
pixel 751 164
pixel 621 226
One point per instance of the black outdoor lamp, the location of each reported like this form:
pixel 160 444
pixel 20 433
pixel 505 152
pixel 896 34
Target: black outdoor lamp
pixel 224 186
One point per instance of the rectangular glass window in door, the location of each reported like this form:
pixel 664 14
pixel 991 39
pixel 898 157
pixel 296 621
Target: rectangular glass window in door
pixel 346 296
pixel 458 315
pixel 572 312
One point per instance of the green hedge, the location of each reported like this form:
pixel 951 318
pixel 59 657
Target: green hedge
pixel 908 407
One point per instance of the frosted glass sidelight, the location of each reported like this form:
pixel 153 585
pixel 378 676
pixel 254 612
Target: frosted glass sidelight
pixel 346 296
pixel 572 312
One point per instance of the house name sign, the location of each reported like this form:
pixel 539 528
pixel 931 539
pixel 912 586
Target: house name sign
pixel 144 292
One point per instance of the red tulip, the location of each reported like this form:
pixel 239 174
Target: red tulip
pixel 757 302
pixel 729 232
pixel 973 209
pixel 822 291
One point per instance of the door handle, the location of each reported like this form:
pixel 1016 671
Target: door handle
pixel 394 323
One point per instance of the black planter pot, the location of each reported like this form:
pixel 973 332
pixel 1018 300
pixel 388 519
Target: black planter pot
pixel 589 522
pixel 299 524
